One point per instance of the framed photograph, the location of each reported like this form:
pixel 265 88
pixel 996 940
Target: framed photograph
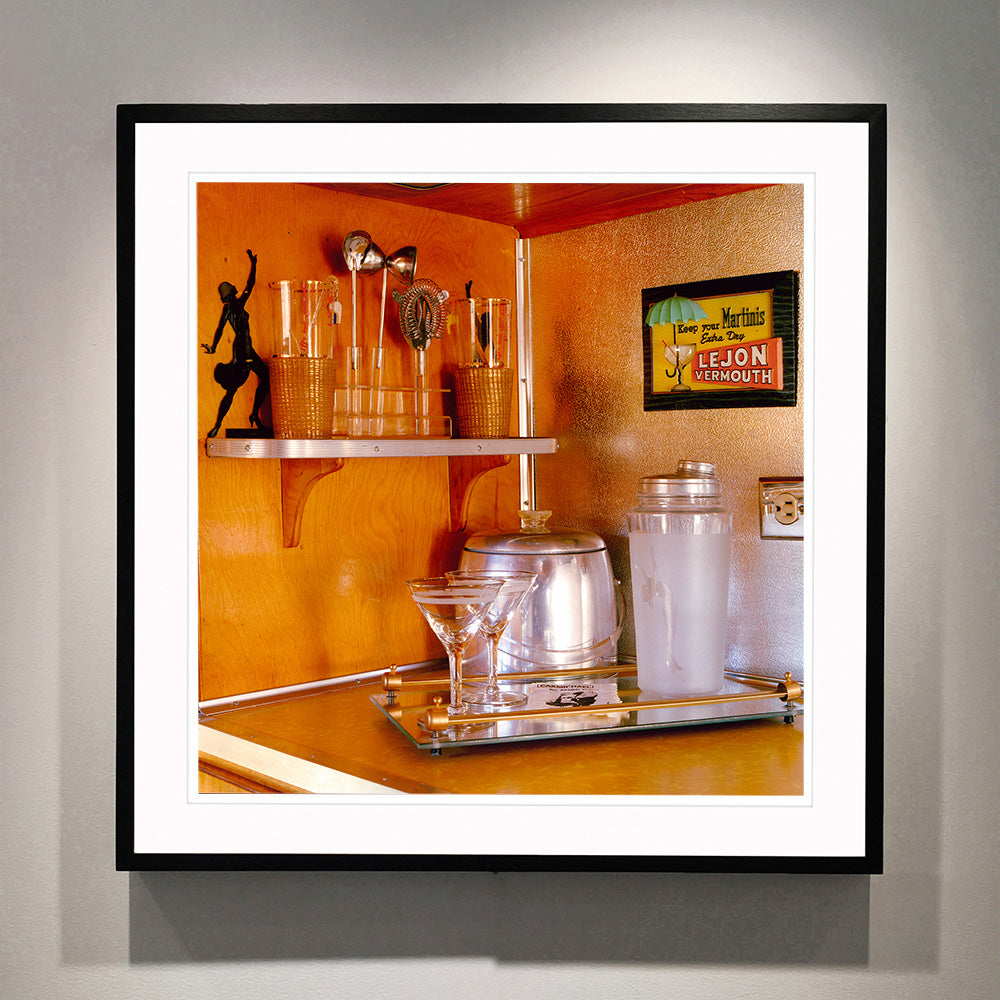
pixel 307 294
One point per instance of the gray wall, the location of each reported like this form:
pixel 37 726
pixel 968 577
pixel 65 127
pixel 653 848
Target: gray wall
pixel 73 927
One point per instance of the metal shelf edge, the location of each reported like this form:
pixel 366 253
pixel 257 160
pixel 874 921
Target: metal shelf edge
pixel 375 447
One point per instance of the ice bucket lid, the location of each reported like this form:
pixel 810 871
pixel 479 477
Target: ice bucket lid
pixel 549 544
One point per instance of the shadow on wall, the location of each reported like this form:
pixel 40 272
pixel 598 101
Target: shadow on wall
pixel 521 917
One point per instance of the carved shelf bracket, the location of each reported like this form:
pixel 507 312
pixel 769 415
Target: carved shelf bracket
pixel 303 463
pixel 298 477
pixel 463 473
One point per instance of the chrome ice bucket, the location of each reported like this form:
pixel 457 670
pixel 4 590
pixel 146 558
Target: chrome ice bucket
pixel 573 616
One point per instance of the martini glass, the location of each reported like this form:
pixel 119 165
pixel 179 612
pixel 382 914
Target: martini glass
pixel 516 584
pixel 454 609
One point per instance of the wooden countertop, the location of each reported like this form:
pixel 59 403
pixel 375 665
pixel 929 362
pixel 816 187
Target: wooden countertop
pixel 337 740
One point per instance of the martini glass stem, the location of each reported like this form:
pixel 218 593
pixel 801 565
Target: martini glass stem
pixel 492 684
pixel 455 674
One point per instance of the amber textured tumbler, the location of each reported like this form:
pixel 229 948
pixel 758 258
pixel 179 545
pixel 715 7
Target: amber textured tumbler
pixel 302 397
pixel 482 401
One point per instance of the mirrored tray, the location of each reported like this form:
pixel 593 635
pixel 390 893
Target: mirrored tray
pixel 587 703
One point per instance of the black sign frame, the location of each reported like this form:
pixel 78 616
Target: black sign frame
pixel 784 288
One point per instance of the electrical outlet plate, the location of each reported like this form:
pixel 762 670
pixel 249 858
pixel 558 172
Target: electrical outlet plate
pixel 782 507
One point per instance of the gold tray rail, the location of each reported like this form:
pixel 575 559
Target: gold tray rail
pixel 437 719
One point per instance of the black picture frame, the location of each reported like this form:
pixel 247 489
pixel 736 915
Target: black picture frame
pixel 783 287
pixel 160 824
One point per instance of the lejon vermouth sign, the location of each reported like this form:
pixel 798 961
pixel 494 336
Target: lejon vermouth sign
pixel 721 343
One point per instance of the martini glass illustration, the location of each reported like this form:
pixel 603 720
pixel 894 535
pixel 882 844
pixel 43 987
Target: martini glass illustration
pixel 454 609
pixel 678 355
pixel 676 309
pixel 516 584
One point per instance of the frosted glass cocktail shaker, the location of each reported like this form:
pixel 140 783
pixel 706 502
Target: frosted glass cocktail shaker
pixel 680 550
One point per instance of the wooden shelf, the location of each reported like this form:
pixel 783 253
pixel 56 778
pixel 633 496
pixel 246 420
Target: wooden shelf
pixel 305 462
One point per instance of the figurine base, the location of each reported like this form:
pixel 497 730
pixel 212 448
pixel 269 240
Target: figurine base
pixel 249 432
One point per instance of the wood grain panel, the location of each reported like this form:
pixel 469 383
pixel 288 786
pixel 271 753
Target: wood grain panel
pixel 217 781
pixel 542 209
pixel 337 603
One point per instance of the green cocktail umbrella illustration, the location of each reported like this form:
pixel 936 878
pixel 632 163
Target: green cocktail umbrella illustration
pixel 676 309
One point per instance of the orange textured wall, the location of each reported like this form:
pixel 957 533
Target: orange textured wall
pixel 586 334
pixel 337 603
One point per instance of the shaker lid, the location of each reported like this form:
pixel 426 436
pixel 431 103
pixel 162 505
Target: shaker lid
pixel 692 479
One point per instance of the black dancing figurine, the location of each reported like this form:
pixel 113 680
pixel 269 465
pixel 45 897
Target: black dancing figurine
pixel 231 375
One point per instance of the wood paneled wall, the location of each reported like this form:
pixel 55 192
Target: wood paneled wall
pixel 337 603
